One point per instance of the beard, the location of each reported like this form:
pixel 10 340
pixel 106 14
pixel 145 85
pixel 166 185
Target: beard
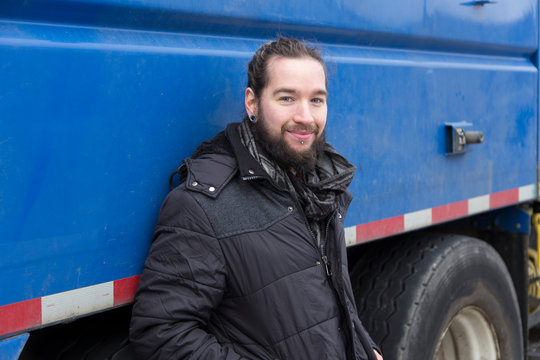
pixel 278 149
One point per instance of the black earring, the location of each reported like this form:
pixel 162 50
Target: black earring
pixel 252 118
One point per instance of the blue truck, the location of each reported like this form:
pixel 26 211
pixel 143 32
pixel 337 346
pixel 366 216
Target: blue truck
pixel 435 102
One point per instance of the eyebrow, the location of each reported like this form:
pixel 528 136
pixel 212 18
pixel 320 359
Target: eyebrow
pixel 292 91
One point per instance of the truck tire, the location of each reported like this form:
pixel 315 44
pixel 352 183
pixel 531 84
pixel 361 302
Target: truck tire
pixel 438 297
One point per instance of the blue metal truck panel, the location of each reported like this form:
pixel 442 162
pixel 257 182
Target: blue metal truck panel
pixel 101 100
pixel 443 25
pixel 394 129
pixel 11 348
pixel 87 159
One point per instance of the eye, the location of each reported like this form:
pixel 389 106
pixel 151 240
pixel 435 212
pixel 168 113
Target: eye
pixel 318 100
pixel 286 99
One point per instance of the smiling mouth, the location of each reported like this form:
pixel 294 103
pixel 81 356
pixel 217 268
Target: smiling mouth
pixel 301 135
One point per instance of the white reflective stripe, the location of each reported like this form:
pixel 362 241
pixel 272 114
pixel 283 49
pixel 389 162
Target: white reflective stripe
pixel 350 235
pixel 417 219
pixel 527 192
pixel 76 302
pixel 478 204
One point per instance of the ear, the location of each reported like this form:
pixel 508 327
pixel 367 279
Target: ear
pixel 250 102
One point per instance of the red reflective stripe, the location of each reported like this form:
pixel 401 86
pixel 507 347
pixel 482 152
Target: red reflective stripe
pixel 20 316
pixel 380 228
pixel 503 198
pixel 395 225
pixel 27 314
pixel 124 290
pixel 449 211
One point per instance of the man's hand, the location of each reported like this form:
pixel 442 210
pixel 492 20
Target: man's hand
pixel 379 356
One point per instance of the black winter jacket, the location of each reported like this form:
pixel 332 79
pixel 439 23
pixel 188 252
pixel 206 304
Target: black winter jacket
pixel 234 271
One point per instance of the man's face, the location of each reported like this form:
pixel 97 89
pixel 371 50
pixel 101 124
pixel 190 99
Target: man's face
pixel 292 109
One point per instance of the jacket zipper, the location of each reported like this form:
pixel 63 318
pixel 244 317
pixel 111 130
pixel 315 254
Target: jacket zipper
pixel 324 257
pixel 326 265
pixel 322 251
pixel 254 177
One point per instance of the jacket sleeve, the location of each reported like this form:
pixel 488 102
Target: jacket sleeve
pixel 182 282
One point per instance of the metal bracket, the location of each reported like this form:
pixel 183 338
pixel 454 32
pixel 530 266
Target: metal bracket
pixel 457 138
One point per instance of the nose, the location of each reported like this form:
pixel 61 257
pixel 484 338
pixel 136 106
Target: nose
pixel 303 114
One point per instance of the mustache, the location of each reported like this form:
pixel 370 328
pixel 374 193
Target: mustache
pixel 299 127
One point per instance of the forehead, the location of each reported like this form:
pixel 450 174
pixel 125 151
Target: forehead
pixel 295 72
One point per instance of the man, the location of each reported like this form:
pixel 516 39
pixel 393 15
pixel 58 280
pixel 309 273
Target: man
pixel 248 259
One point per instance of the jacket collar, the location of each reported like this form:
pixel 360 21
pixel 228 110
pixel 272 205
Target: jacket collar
pixel 209 174
pixel 213 165
pixel 248 166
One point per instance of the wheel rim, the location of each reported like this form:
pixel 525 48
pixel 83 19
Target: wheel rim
pixel 469 336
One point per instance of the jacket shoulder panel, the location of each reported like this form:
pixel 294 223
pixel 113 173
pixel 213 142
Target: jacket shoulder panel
pixel 245 206
pixel 180 210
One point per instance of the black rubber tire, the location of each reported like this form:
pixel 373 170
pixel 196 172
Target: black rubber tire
pixel 409 289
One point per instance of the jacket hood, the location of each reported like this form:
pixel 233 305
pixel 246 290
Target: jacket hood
pixel 211 166
pixel 216 161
